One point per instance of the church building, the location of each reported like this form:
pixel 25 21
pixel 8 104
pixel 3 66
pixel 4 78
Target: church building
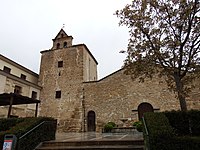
pixel 71 92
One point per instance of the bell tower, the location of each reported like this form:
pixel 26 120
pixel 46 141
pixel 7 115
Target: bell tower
pixel 62 40
pixel 63 70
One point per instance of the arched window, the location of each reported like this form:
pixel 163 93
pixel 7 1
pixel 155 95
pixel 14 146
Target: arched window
pixel 58 45
pixel 65 44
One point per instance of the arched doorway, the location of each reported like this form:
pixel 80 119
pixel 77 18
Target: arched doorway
pixel 143 108
pixel 91 119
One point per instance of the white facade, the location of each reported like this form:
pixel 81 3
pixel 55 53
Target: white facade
pixel 17 70
pixel 15 78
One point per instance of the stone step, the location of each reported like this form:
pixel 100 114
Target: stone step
pixel 103 144
pixel 123 130
pixel 96 142
pixel 95 147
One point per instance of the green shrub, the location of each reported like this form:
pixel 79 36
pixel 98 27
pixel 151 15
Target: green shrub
pixel 186 143
pixel 6 124
pixel 179 121
pixel 194 122
pixel 159 130
pixel 185 123
pixel 135 123
pixel 109 126
pixel 44 132
pixel 161 135
pixel 138 125
pixel 112 123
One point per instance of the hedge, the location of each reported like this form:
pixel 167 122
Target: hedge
pixel 185 123
pixel 159 131
pixel 43 132
pixel 6 124
pixel 194 117
pixel 163 136
pixel 185 143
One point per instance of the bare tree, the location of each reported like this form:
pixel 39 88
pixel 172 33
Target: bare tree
pixel 164 40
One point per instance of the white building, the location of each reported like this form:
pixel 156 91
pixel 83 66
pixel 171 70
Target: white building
pixel 17 79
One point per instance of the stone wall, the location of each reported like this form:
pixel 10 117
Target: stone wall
pixel 193 100
pixel 68 80
pixel 115 97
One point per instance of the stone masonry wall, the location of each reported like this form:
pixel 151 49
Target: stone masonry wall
pixel 193 100
pixel 68 80
pixel 115 97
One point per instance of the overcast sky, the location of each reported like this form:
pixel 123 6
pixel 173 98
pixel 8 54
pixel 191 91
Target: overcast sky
pixel 28 27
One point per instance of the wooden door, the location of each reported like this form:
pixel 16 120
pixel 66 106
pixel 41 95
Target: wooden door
pixel 91 119
pixel 143 108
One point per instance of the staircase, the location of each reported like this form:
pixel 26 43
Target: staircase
pixel 114 144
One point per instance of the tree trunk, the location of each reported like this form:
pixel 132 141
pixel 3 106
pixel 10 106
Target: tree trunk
pixel 181 95
pixel 182 102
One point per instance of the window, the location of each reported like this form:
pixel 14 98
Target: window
pixel 34 95
pixel 23 76
pixel 58 94
pixel 18 89
pixel 58 45
pixel 6 69
pixel 65 44
pixel 13 116
pixel 60 64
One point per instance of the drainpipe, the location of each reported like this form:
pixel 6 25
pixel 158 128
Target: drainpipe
pixel 83 107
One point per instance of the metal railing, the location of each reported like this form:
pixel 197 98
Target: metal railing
pixel 42 132
pixel 146 134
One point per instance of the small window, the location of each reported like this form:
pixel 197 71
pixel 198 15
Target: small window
pixel 6 69
pixel 65 44
pixel 23 76
pixel 18 89
pixel 60 64
pixel 58 45
pixel 58 94
pixel 34 95
pixel 14 116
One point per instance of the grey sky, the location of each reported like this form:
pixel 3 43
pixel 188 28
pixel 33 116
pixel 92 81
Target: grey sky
pixel 28 27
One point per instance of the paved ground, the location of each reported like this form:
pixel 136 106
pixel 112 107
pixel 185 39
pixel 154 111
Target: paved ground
pixel 98 136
